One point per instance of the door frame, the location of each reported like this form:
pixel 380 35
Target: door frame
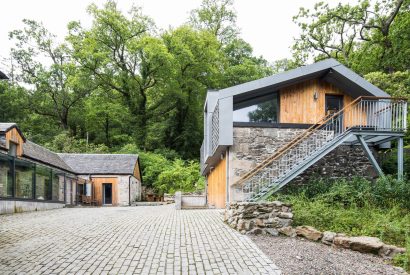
pixel 103 193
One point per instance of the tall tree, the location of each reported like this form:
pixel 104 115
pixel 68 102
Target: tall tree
pixel 197 63
pixel 123 55
pixel 56 82
pixel 218 17
pixel 339 31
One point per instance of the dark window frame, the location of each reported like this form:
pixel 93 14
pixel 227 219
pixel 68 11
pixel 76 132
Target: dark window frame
pixel 34 183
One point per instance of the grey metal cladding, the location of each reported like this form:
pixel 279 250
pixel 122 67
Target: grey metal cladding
pixel 288 77
pixel 330 69
pixel 3 75
pixel 359 83
pixel 226 121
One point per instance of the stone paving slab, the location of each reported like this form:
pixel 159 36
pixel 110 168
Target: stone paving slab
pixel 126 240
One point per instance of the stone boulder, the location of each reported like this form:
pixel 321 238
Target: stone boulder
pixel 362 244
pixel 288 231
pixel 389 251
pixel 309 232
pixel 328 237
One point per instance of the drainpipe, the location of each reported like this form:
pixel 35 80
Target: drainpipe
pixel 129 190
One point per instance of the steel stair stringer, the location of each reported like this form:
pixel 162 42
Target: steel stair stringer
pixel 298 169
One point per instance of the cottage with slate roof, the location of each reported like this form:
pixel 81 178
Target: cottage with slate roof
pixel 35 178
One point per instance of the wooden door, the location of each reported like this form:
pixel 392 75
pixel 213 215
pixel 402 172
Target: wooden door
pixel 217 185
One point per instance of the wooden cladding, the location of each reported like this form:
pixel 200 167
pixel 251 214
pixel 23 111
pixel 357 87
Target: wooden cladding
pixel 217 185
pixel 305 102
pixel 98 189
pixel 14 136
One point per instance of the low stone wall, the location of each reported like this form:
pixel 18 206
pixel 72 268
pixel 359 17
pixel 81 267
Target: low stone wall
pixel 11 206
pixel 259 218
pixel 362 244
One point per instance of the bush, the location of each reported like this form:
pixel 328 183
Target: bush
pixel 165 172
pixel 355 207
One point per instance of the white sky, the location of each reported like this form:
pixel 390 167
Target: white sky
pixel 265 24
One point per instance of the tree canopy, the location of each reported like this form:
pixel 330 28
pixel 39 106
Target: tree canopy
pixel 124 85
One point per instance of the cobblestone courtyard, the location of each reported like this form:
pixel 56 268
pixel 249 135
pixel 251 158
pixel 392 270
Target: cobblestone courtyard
pixel 128 240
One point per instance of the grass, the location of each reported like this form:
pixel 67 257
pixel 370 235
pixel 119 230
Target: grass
pixel 356 207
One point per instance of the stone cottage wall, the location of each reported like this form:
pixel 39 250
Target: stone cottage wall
pixel 123 187
pixel 252 145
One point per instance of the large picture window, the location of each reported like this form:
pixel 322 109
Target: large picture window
pixel 261 109
pixel 24 179
pixel 43 183
pixel 6 176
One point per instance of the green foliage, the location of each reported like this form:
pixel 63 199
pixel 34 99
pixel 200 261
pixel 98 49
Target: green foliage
pixel 65 143
pixel 355 207
pixel 165 172
pixel 389 162
pixel 182 176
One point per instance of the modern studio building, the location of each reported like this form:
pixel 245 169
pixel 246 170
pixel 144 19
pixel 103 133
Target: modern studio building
pixel 318 120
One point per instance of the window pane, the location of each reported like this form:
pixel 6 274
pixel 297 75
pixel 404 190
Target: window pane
pixel 58 187
pixel 43 183
pixel 264 109
pixel 6 179
pixel 12 149
pixel 24 179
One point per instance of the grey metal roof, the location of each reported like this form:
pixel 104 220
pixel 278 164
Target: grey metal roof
pixel 3 75
pixel 43 155
pixel 329 70
pixel 123 164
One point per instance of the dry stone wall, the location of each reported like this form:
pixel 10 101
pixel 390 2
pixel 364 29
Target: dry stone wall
pixel 252 145
pixel 259 218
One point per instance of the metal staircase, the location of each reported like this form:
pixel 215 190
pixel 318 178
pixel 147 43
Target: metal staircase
pixel 374 118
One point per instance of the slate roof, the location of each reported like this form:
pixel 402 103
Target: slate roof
pixel 329 70
pixel 43 155
pixel 117 164
pixel 4 127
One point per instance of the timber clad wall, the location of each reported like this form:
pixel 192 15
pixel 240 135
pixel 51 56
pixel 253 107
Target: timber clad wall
pixel 14 136
pixel 297 104
pixel 98 190
pixel 217 185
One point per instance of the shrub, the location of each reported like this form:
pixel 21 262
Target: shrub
pixel 355 207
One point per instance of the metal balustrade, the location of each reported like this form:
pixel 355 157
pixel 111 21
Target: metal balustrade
pixel 215 128
pixel 363 114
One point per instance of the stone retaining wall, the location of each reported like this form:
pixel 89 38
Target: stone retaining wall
pixel 258 218
pixel 252 145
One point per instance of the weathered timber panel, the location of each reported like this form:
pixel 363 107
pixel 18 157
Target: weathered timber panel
pixel 14 136
pixel 98 190
pixel 297 103
pixel 217 185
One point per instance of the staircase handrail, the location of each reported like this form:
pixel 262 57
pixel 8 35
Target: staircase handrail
pixel 308 132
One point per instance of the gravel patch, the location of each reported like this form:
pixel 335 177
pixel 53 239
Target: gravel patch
pixel 299 256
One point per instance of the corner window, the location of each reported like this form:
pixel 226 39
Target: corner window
pixel 261 109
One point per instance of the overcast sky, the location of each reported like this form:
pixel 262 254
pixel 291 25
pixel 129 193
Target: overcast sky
pixel 266 24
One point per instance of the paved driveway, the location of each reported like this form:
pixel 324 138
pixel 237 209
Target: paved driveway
pixel 126 240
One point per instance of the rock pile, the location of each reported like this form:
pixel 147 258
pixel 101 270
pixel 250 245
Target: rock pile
pixel 362 244
pixel 259 218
